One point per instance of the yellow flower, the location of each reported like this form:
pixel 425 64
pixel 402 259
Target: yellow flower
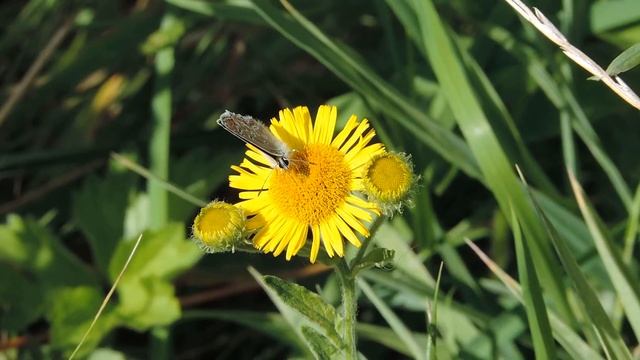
pixel 316 192
pixel 219 227
pixel 389 181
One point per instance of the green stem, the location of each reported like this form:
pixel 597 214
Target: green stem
pixel 349 308
pixel 363 249
pixel 160 346
pixel 348 287
pixel 159 145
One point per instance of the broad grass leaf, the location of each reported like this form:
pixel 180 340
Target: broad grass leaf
pixel 485 146
pixel 586 295
pixel 570 341
pixel 532 294
pixel 417 352
pixel 624 280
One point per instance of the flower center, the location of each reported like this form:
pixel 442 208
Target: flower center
pixel 390 176
pixel 215 220
pixel 316 183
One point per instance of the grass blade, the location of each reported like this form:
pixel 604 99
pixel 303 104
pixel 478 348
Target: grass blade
pixel 393 320
pixel 532 294
pixel 611 340
pixel 624 281
pixel 566 337
pixel 345 64
pixel 485 146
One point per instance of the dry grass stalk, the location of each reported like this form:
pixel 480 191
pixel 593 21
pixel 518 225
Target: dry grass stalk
pixel 537 18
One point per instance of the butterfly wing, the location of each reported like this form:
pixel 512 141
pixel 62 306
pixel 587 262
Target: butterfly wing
pixel 254 132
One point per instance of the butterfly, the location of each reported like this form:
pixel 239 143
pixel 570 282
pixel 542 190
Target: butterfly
pixel 254 132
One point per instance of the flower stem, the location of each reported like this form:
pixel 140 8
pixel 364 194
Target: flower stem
pixel 363 249
pixel 349 308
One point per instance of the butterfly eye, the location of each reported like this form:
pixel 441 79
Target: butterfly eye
pixel 283 163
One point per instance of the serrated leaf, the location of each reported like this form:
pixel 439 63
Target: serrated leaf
pixel 71 311
pixel 379 257
pixel 148 302
pixel 319 344
pixel 307 303
pixel 293 317
pixel 99 209
pixel 626 61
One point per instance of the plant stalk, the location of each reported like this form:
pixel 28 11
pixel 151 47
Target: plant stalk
pixel 349 308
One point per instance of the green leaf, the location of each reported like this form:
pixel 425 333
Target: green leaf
pixel 294 318
pixel 564 334
pixel 162 253
pixel 608 15
pixel 238 10
pixel 307 303
pixel 166 36
pixel 198 173
pixel 626 61
pixel 321 347
pixel 485 146
pixel 106 354
pixel 417 352
pixel 21 299
pixel 71 312
pixel 29 246
pixel 411 265
pixel 586 295
pixel 388 338
pixel 378 257
pixel 532 294
pixel 98 209
pixel 348 66
pixel 624 280
pixel 148 302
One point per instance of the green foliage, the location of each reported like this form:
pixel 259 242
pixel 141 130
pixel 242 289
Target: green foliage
pixel 626 61
pixel 463 85
pixel 305 311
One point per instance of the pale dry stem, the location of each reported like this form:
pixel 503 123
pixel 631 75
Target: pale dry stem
pixel 546 27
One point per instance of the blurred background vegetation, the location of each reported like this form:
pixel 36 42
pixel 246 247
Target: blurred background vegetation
pixel 147 79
